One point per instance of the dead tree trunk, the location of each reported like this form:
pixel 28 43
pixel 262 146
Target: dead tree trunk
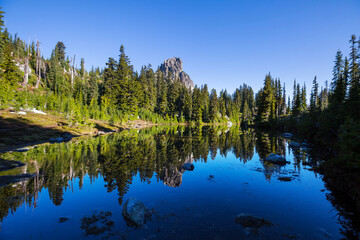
pixel 38 65
pixel 73 72
pixel 26 71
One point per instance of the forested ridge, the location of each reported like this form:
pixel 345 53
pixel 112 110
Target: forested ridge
pixel 118 93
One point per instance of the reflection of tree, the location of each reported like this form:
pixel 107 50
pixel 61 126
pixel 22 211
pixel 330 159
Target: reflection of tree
pixel 118 158
pixel 267 143
pixel 348 216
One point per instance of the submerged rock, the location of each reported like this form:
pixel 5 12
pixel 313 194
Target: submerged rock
pixel 249 221
pixel 97 224
pixel 277 159
pixel 63 219
pixel 285 179
pixel 211 178
pixel 135 212
pixel 188 166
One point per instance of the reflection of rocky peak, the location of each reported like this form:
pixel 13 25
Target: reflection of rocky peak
pixel 174 67
pixel 172 177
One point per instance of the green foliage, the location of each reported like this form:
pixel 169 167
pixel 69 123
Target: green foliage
pixel 10 74
pixel 266 101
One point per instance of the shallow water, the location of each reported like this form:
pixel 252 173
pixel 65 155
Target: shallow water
pixel 89 177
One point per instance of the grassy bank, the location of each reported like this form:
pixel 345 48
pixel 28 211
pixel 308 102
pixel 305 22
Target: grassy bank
pixel 22 130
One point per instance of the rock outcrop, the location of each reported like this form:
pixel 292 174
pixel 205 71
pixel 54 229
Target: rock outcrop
pixel 174 68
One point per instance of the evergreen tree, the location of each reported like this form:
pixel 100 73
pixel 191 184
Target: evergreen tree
pixel 266 105
pixel 205 100
pixel 82 67
pixel 213 107
pixel 93 92
pixel 354 91
pixel 197 105
pixel 283 103
pixel 161 98
pixel 314 98
pixel 10 74
pixel 303 98
pixel 338 86
pixel 32 59
pixel 60 53
pixel 3 35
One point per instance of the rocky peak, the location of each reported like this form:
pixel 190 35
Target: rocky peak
pixel 174 66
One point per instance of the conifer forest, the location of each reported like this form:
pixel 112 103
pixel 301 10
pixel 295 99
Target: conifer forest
pixel 123 153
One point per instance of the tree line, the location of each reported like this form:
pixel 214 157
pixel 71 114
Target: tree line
pixel 332 117
pixel 116 93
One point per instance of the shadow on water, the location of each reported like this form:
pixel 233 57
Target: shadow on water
pixel 154 153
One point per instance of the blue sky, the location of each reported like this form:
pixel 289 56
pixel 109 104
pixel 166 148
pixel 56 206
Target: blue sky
pixel 222 43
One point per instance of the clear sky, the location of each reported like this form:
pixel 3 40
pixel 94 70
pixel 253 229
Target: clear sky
pixel 223 43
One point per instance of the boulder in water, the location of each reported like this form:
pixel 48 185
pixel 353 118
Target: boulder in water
pixel 277 159
pixel 134 212
pixel 285 179
pixel 188 166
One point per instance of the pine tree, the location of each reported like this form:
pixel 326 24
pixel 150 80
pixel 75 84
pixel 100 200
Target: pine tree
pixel 173 96
pixel 314 98
pixel 82 67
pixel 288 108
pixel 161 96
pixel 3 35
pixel 283 103
pixel 338 85
pixel 110 80
pixel 187 109
pixel 60 53
pixel 205 100
pixel 32 59
pixel 213 107
pixel 296 108
pixel 10 74
pixel 266 105
pixel 197 105
pixel 93 92
pixel 354 91
pixel 303 98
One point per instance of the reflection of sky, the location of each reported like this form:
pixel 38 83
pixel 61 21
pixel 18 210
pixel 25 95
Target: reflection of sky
pixel 200 207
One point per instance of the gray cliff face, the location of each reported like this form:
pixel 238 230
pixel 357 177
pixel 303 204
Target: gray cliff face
pixel 174 66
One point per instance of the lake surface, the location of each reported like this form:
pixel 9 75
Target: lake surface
pixel 79 188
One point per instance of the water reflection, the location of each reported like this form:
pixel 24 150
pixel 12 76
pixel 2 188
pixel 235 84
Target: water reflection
pixel 155 152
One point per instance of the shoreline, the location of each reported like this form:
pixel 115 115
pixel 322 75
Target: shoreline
pixel 23 132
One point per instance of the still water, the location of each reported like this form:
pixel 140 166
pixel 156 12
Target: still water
pixel 78 188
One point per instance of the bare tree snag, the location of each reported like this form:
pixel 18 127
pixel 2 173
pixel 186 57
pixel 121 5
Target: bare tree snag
pixel 26 71
pixel 38 64
pixel 73 72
